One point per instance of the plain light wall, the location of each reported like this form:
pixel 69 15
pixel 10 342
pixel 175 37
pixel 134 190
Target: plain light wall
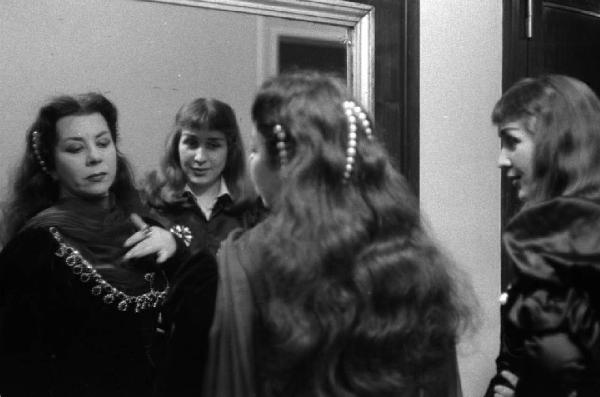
pixel 148 58
pixel 461 75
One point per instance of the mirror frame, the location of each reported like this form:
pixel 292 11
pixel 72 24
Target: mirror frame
pixel 358 18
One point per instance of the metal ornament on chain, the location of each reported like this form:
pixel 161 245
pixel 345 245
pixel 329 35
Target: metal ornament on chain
pixel 86 273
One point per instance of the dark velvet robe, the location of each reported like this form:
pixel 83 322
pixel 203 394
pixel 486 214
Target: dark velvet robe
pixel 79 323
pixel 182 346
pixel 57 338
pixel 551 319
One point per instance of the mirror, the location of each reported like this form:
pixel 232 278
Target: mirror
pixel 357 18
pixel 151 56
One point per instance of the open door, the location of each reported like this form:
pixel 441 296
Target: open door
pixel 558 36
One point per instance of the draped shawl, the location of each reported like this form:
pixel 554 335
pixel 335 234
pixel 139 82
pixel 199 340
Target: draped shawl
pixel 98 233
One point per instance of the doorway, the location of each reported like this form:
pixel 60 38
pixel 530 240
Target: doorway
pixel 558 36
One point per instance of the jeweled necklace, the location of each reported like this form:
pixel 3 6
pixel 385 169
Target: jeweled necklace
pixel 110 294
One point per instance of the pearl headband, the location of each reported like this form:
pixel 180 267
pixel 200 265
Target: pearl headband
pixel 36 146
pixel 281 146
pixel 354 114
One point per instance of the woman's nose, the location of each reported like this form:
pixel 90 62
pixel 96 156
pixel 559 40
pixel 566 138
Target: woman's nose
pixel 93 156
pixel 503 160
pixel 199 155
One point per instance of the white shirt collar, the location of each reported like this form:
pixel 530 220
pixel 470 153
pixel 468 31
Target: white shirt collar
pixel 206 206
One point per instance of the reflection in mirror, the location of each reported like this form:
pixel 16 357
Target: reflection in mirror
pixel 327 56
pixel 150 57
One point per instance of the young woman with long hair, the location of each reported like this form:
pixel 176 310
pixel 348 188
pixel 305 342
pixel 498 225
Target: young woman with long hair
pixel 340 291
pixel 549 129
pixel 202 184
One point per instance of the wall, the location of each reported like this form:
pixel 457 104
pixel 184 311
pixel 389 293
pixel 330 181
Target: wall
pixel 148 58
pixel 461 69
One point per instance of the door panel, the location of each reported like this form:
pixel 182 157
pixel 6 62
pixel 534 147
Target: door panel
pixel 564 39
pixel 567 40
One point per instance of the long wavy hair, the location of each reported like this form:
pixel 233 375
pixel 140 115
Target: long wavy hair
pixel 563 116
pixel 208 114
pixel 357 299
pixel 33 189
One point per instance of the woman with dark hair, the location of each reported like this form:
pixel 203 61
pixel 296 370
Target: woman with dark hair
pixel 202 184
pixel 80 281
pixel 549 128
pixel 340 291
pixel 201 193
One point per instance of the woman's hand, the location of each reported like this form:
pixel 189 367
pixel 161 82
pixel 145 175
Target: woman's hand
pixel 506 391
pixel 149 240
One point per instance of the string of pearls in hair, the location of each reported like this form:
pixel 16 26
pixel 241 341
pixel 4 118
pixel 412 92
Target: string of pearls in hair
pixel 354 114
pixel 36 145
pixel 281 146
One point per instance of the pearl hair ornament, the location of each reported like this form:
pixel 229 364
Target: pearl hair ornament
pixel 281 146
pixel 36 146
pixel 354 114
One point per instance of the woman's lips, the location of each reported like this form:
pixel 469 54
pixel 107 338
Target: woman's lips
pixel 97 177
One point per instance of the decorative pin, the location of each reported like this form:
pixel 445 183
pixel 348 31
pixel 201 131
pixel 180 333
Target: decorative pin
pixel 36 145
pixel 182 232
pixel 281 145
pixel 354 114
pixel 503 298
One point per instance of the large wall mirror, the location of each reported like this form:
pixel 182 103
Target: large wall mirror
pixel 151 56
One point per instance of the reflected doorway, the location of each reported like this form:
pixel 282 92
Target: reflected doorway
pixel 296 53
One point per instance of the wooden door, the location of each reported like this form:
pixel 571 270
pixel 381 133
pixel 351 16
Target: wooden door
pixel 558 36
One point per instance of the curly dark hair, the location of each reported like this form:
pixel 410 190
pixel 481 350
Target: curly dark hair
pixel 33 189
pixel 356 299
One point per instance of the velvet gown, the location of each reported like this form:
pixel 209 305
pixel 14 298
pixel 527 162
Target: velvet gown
pixel 64 330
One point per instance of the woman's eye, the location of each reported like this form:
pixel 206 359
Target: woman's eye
pixel 73 149
pixel 104 143
pixel 190 142
pixel 214 144
pixel 510 142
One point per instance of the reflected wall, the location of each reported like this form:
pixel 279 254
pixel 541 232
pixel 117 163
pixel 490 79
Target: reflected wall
pixel 147 57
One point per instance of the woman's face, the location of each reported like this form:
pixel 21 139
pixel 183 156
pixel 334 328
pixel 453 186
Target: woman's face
pixel 85 157
pixel 266 179
pixel 516 156
pixel 202 157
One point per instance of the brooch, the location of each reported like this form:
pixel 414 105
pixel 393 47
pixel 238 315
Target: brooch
pixel 182 232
